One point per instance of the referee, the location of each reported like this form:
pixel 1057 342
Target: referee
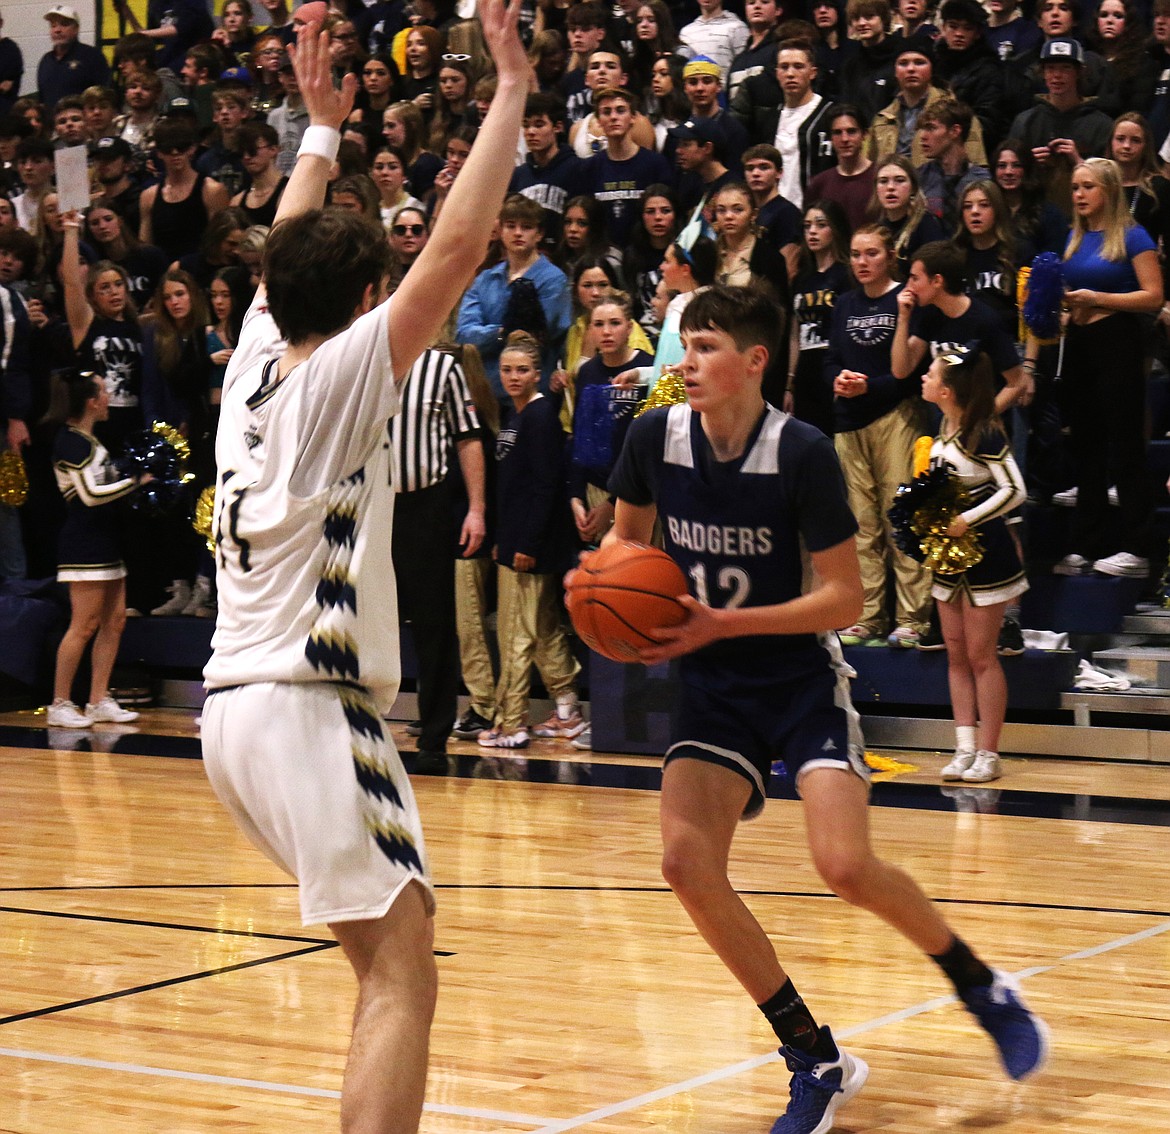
pixel 437 415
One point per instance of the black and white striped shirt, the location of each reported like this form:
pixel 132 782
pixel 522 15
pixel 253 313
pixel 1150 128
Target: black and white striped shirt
pixel 437 411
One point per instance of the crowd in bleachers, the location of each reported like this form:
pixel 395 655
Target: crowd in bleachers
pixel 819 149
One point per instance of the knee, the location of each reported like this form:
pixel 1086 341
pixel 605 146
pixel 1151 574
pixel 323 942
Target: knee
pixel 85 626
pixel 408 979
pixel 983 663
pixel 846 875
pixel 957 654
pixel 686 869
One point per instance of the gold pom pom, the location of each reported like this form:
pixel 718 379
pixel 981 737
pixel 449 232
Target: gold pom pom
pixel 13 479
pixel 947 554
pixel 669 390
pixel 922 454
pixel 204 511
pixel 173 438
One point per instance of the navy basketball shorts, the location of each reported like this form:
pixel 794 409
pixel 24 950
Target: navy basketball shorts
pixel 808 722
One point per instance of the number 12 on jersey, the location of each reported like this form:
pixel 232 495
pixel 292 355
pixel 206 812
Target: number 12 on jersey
pixel 733 582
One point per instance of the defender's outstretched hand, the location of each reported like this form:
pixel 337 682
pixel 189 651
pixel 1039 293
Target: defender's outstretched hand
pixel 327 105
pixel 500 24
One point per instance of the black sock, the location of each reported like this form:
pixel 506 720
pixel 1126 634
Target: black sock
pixel 793 1023
pixel 964 969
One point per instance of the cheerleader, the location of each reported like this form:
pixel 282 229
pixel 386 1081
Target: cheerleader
pixel 89 551
pixel 971 604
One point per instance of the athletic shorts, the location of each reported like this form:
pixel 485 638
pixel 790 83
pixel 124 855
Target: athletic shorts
pixel 313 779
pixel 808 723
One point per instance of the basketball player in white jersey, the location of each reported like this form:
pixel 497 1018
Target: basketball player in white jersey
pixel 305 653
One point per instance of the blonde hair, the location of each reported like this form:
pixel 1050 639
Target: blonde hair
pixel 1115 214
pixel 521 342
pixel 613 297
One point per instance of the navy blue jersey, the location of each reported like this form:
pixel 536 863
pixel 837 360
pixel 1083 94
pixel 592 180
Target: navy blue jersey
pixel 978 324
pixel 739 529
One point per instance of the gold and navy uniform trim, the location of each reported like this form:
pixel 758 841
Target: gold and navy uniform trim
pixel 331 648
pixel 376 777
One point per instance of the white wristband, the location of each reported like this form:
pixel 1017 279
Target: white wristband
pixel 320 141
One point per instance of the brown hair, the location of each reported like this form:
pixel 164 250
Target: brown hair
pixel 973 383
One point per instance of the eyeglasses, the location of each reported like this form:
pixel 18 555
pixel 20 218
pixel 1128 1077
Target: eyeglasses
pixel 408 229
pixel 455 58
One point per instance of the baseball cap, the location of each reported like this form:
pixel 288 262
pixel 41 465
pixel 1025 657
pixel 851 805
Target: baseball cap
pixel 700 130
pixel 1062 50
pixel 63 12
pixel 239 74
pixel 180 105
pixel 110 148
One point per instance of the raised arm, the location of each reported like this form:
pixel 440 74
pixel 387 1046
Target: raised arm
pixel 460 238
pixel 327 106
pixel 77 309
pixel 907 350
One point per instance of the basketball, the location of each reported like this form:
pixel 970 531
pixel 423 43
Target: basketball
pixel 620 593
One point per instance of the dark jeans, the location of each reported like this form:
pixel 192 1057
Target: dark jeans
pixel 425 570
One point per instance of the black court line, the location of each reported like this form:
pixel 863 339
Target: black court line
pixel 186 979
pixel 980 902
pixel 324 943
pixel 153 886
pixel 519 888
pixel 143 924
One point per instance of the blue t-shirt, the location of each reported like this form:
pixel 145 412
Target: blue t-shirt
pixel 1087 268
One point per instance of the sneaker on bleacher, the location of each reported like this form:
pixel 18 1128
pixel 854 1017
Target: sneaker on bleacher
pixel 180 592
pixel 1068 498
pixel 1123 565
pixel 1073 564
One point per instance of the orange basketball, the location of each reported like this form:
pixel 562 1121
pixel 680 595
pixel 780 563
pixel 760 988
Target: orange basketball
pixel 622 592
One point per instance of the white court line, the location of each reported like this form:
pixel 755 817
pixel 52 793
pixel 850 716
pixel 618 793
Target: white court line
pixel 256 1084
pixel 545 1125
pixel 845 1033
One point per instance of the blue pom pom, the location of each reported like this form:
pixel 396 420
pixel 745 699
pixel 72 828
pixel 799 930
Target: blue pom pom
pixel 1045 293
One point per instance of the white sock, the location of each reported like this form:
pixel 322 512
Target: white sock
pixel 965 739
pixel 566 705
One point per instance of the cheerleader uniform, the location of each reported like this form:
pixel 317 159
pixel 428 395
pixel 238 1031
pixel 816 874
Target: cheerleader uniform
pixel 992 480
pixel 89 548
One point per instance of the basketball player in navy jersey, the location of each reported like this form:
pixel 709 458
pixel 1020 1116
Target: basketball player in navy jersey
pixel 744 492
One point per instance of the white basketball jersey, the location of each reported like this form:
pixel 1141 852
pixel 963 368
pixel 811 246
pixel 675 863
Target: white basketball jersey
pixel 303 511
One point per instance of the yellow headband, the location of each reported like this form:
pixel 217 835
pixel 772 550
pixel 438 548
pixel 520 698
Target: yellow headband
pixel 702 66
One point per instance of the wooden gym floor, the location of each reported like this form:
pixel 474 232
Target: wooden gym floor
pixel 156 976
